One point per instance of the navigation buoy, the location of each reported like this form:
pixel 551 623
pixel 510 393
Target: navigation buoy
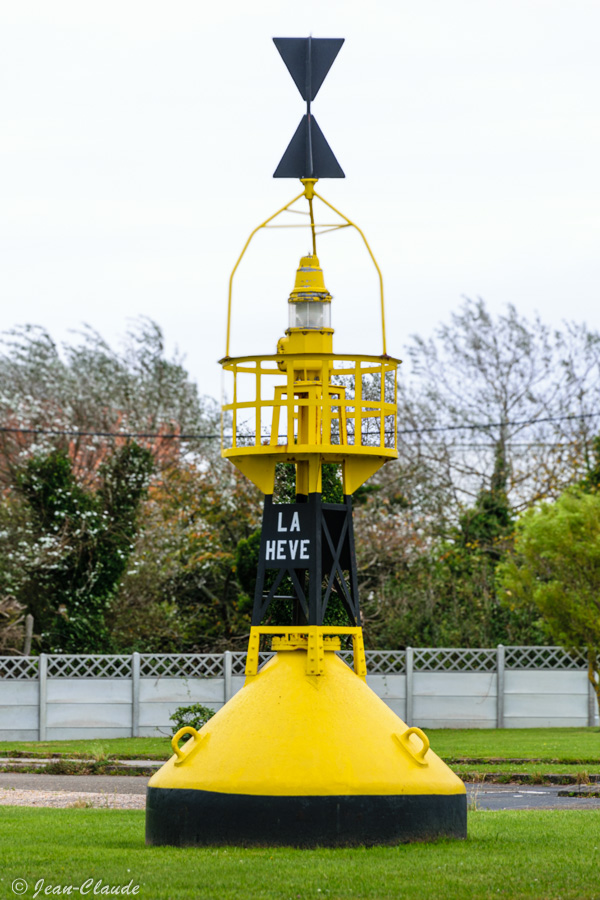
pixel 306 754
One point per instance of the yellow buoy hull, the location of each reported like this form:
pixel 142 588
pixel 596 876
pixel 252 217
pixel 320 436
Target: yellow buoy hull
pixel 304 759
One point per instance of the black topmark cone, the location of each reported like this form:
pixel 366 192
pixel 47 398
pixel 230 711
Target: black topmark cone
pixel 308 154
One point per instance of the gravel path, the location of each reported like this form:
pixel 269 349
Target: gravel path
pixel 73 791
pixel 71 799
pixel 108 784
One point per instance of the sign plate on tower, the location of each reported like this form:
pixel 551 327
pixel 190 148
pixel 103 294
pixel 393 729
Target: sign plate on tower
pixel 288 539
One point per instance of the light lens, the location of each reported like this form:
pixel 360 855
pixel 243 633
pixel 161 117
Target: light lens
pixel 310 314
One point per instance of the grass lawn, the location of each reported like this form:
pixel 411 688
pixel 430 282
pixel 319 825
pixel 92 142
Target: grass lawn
pixel 540 769
pixel 525 854
pixel 575 745
pixel 115 748
pixel 568 744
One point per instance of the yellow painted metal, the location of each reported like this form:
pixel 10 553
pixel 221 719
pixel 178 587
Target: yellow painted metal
pixel 191 748
pixel 314 638
pixel 304 341
pixel 300 641
pixel 305 724
pixel 315 653
pixel 260 470
pixel 310 282
pixel 253 651
pixel 309 187
pixel 360 662
pixel 310 405
pixel 356 470
pixel 291 733
pixel 309 478
pixel 309 193
pixel 418 755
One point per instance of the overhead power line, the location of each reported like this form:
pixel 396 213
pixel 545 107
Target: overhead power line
pixel 54 432
pixel 114 434
pixel 483 425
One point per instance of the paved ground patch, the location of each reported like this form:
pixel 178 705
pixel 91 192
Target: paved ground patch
pixel 129 792
pixel 516 796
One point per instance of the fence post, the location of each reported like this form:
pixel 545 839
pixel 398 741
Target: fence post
pixel 409 657
pixel 28 634
pixel 500 659
pixel 43 695
pixel 227 674
pixel 135 694
pixel 592 704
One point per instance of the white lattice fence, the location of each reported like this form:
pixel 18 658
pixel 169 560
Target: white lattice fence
pixel 65 696
pixel 384 662
pixel 542 658
pixel 19 667
pixel 183 665
pixel 97 666
pixel 449 659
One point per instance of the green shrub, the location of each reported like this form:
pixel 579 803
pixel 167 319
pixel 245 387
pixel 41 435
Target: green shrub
pixel 195 715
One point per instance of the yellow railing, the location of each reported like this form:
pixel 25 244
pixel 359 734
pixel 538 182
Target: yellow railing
pixel 334 405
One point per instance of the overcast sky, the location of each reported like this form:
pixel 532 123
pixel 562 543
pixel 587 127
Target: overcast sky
pixel 139 139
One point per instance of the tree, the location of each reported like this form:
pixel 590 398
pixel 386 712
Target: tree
pixel 12 626
pixel 77 543
pixel 53 544
pixel 182 589
pixel 420 589
pixel 556 564
pixel 591 480
pixel 486 526
pixel 475 448
pixel 87 386
pixel 480 393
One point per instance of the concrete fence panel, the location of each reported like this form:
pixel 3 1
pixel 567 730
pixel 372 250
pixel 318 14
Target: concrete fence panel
pixel 53 697
pixel 160 697
pixel 392 690
pixel 19 710
pixel 455 699
pixel 545 698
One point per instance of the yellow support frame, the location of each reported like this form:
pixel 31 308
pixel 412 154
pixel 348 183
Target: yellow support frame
pixel 309 193
pixel 314 635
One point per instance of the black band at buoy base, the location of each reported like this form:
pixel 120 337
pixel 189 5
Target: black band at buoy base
pixel 187 817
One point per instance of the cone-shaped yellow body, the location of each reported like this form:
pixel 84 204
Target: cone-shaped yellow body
pixel 287 733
